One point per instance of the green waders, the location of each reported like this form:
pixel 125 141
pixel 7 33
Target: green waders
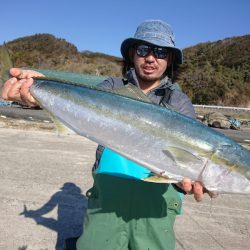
pixel 129 214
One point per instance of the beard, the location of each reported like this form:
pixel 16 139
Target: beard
pixel 149 73
pixel 148 78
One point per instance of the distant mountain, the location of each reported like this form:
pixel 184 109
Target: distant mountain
pixel 218 72
pixel 215 73
pixel 48 52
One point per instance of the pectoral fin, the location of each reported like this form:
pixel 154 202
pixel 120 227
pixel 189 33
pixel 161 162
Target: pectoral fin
pixel 182 157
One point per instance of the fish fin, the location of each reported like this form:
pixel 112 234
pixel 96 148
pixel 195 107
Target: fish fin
pixel 131 91
pixel 61 128
pixel 128 90
pixel 182 157
pixel 6 65
pixel 159 179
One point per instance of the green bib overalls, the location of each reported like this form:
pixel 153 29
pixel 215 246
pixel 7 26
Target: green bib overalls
pixel 126 213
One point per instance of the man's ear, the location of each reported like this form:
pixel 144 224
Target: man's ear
pixel 131 53
pixel 171 58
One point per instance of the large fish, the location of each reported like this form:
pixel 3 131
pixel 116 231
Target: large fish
pixel 170 144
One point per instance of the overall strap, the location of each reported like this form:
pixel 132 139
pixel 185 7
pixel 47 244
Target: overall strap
pixel 166 97
pixel 168 93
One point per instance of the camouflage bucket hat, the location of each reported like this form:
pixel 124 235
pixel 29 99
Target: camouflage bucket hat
pixel 155 32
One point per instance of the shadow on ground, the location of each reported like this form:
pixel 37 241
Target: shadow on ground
pixel 71 205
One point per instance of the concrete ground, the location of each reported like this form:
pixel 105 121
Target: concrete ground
pixel 43 179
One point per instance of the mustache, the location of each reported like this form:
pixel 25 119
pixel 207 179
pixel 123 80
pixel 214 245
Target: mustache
pixel 149 65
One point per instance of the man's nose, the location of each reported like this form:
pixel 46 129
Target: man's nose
pixel 150 57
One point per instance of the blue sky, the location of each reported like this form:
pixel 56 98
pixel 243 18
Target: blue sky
pixel 101 26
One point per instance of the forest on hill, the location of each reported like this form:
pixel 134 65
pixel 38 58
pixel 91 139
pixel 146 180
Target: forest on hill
pixel 218 72
pixel 213 73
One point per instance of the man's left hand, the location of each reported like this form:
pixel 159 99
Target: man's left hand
pixel 195 188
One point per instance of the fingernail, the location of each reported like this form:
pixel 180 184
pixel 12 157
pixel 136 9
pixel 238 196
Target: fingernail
pixel 198 198
pixel 12 80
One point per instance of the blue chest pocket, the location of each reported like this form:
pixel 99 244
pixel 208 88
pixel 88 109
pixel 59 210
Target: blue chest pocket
pixel 114 164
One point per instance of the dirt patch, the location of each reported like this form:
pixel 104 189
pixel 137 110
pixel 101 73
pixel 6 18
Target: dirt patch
pixel 6 122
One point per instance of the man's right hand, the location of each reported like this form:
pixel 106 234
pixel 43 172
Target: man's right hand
pixel 17 88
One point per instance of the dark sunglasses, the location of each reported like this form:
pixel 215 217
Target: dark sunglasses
pixel 144 50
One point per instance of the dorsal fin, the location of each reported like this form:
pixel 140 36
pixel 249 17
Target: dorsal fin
pixel 131 91
pixel 128 90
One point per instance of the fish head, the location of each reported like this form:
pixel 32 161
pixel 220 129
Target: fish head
pixel 215 177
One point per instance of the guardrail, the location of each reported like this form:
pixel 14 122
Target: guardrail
pixel 220 107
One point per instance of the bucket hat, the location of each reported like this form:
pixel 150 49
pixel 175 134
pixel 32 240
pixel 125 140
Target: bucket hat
pixel 155 32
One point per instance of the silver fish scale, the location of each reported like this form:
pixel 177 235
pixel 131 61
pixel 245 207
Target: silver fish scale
pixel 160 139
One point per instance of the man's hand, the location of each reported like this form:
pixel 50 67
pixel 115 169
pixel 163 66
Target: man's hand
pixel 195 188
pixel 17 88
pixel 27 213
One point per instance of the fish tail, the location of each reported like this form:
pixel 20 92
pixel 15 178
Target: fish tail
pixel 5 65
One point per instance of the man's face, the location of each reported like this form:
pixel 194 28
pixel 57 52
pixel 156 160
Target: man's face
pixel 149 69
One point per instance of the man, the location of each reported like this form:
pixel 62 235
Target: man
pixel 123 211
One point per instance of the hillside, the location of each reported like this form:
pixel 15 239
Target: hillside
pixel 218 72
pixel 48 52
pixel 215 73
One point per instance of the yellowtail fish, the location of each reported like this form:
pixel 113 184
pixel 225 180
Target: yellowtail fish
pixel 168 143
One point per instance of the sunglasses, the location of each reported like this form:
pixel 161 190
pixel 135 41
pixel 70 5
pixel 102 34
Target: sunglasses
pixel 144 50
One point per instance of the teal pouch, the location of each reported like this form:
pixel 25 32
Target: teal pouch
pixel 114 164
